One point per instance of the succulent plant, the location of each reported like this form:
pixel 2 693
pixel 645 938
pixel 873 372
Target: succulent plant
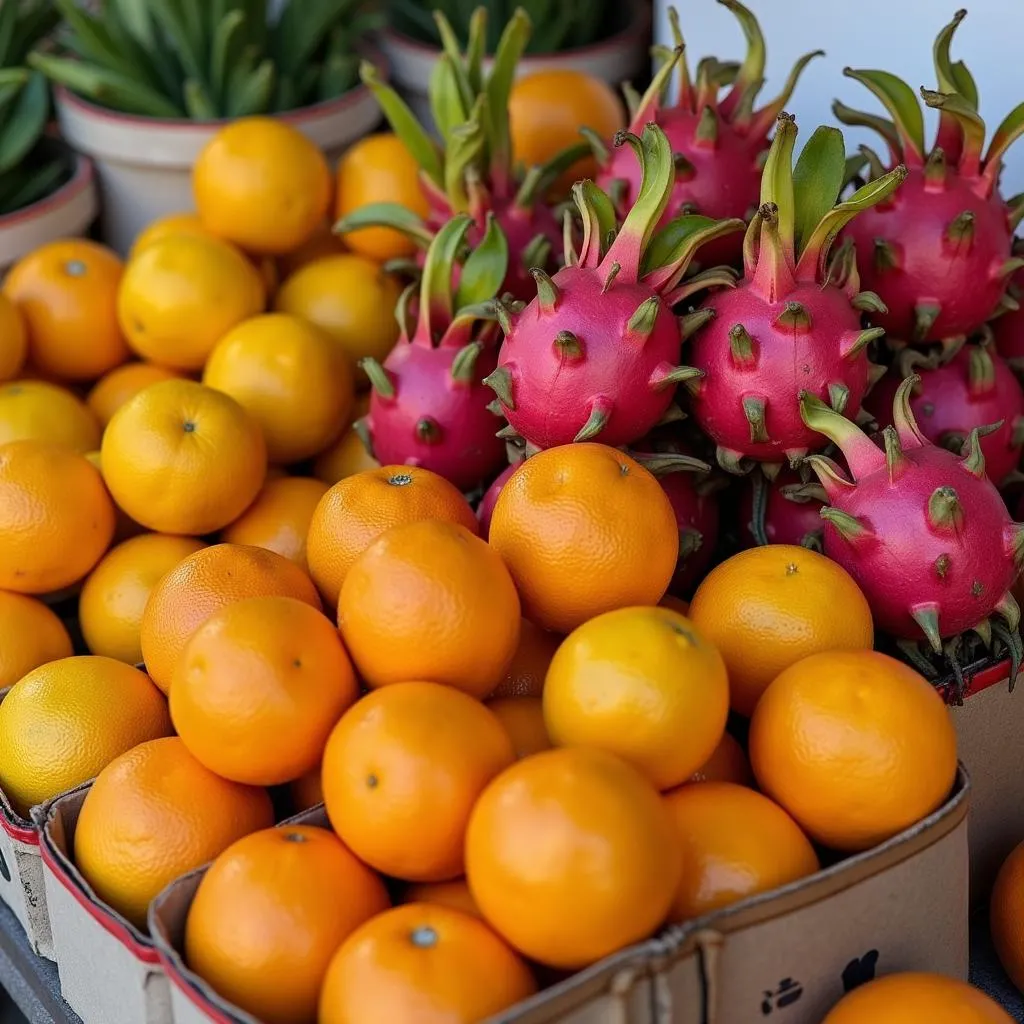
pixel 207 59
pixel 28 170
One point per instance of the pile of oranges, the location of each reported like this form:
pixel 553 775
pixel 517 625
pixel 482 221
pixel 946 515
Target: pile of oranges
pixel 524 747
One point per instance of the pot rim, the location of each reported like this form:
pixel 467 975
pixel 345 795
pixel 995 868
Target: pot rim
pixel 82 179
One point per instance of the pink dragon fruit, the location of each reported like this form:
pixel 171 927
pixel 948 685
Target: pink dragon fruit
pixel 782 511
pixel 473 171
pixel 718 144
pixel 974 388
pixel 923 531
pixel 596 353
pixel 485 509
pixel 938 253
pixel 794 322
pixel 428 407
pixel 1008 328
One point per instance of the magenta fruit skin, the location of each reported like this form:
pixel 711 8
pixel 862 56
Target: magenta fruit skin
pixel 1008 329
pixel 485 510
pixel 785 521
pixel 696 512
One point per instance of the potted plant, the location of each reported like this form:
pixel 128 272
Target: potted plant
pixel 46 192
pixel 608 39
pixel 142 85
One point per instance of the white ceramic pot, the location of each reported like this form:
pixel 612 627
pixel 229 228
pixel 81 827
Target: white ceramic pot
pixel 144 165
pixel 66 213
pixel 615 61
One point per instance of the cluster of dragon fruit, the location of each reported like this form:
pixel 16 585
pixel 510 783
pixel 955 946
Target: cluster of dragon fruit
pixel 835 343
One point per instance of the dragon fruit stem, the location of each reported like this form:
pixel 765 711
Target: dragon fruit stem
pixel 903 417
pixel 868 302
pixel 1016 205
pixel 568 346
pixel 974 460
pixel 754 409
pixel 500 382
pixel 362 429
pixel 600 410
pixel 1011 266
pixel 464 363
pixel 663 463
pixel 941 566
pixel 972 127
pixel 895 460
pixel 761 121
pixel 849 527
pixel 773 276
pixel 862 455
pixel 902 107
pixel 429 431
pixel 751 73
pixel 547 291
pixel 960 232
pixel 777 184
pixel 379 379
pixel 1008 608
pixel 665 375
pixel 1011 129
pixel 690 323
pixel 436 300
pixel 944 509
pixel 838 397
pixel 935 171
pixel 853 343
pixel 613 272
pixel 885 256
pixel 641 323
pixel 752 239
pixel 926 615
pixel 706 132
pixel 742 347
pixel 829 475
pixel 794 317
pixel 925 315
pixel 649 105
pixel 861 119
pixel 981 371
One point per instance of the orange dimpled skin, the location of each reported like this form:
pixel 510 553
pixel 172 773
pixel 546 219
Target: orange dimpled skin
pixel 56 517
pixel 524 676
pixel 431 601
pixel 728 763
pixel 13 339
pixel 1006 916
pixel 270 914
pixel 123 383
pixel 855 745
pixel 30 636
pixel 570 856
pixel 454 894
pixel 523 718
pixel 733 843
pixel 204 583
pixel 357 510
pixel 402 771
pixel 584 529
pixel 422 964
pixel 32 410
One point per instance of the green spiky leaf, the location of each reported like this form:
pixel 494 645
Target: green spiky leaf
pixel 817 180
pixel 484 269
pixel 899 100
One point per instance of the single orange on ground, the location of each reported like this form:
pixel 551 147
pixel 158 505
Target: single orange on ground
pixel 523 718
pixel 524 676
pixel 914 998
pixel 172 224
pixel 66 720
pixel 202 584
pixel 357 510
pixel 855 745
pixel 182 294
pixel 186 814
pixel 547 110
pixel 578 514
pixel 114 597
pixel 259 688
pixel 307 790
pixel 56 517
pixel 323 242
pixel 262 184
pixel 352 299
pixel 728 763
pixel 13 339
pixel 379 169
pixel 270 914
pixel 643 683
pixel 422 962
pixel 770 606
pixel 183 458
pixel 67 292
pixel 454 894
pixel 279 518
pixel 430 601
pixel 733 843
pixel 291 377
pixel 1006 915
pixel 30 636
pixel 32 410
pixel 346 457
pixel 112 390
pixel 570 856
pixel 402 771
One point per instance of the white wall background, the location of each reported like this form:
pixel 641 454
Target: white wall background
pixel 892 35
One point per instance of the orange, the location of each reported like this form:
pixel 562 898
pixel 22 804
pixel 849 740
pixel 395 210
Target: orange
pixel 259 688
pixel 114 597
pixel 279 518
pixel 1006 915
pixel 523 718
pixel 66 720
pixel 67 293
pixel 575 515
pixel 732 843
pixel 570 856
pixel 454 894
pixel 124 526
pixel 262 184
pixel 111 391
pixel 13 339
pixel 430 600
pixel 202 584
pixel 643 683
pixel 547 110
pixel 727 763
pixel 35 410
pixel 426 964
pixel 323 242
pixel 402 771
pixel 379 169
pixel 182 294
pixel 768 607
pixel 163 227
pixel 346 457
pixel 56 517
pixel 855 745
pixel 349 297
pixel 524 676
pixel 291 378
pixel 915 998
pixel 154 814
pixel 307 791
pixel 30 636
pixel 357 510
pixel 183 458
pixel 271 912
